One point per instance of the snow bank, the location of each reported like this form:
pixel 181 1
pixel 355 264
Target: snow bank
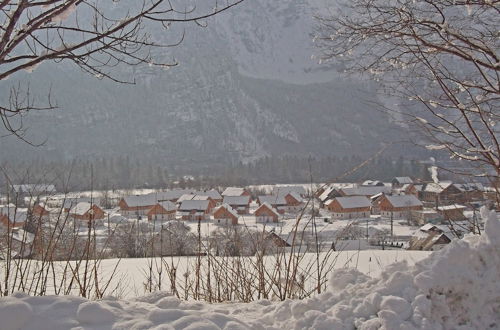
pixel 455 288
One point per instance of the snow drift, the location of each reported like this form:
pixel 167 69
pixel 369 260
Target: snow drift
pixel 455 288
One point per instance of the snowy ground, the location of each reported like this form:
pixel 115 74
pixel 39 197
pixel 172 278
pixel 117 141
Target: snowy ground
pixel 454 288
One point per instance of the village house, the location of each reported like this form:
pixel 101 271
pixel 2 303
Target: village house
pixel 454 212
pixel 424 216
pixel 213 194
pixel 435 194
pixel 68 203
pixel 266 213
pixel 194 210
pixel 86 212
pixel 399 206
pixel 235 191
pixel 162 211
pixel 400 181
pixel 351 207
pixel 137 205
pixel 240 204
pixel 288 202
pixel 21 244
pixel 428 238
pixel 276 202
pixel 225 215
pixel 192 197
pixel 40 212
pixel 11 218
pixel 328 193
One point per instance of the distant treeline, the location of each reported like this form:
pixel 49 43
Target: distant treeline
pixel 125 173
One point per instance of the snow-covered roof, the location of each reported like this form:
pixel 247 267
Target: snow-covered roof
pixel 213 194
pixel 233 191
pixel 168 205
pixel 16 215
pixel 350 202
pixel 404 200
pixel 451 207
pixel 402 179
pixel 272 200
pixel 81 208
pixel 427 227
pixel 185 197
pixel 23 236
pixel 326 194
pixel 194 205
pixel 432 187
pixel 264 205
pixel 236 200
pixel 200 198
pixel 140 200
pixel 5 209
pixel 365 191
pixel 70 202
pixel 469 186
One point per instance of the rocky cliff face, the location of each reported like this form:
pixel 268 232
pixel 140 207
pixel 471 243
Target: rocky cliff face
pixel 246 87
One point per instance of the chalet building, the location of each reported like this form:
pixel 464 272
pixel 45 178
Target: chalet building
pixel 413 189
pixel 429 238
pixel 453 212
pixel 40 211
pixel 400 181
pixel 399 206
pixel 351 207
pixel 266 213
pixel 225 215
pixel 444 193
pixel 375 200
pixel 13 218
pixel 241 204
pixel 137 205
pixel 470 192
pixel 192 197
pixel 328 193
pixel 277 202
pixel 84 211
pixel 235 191
pixel 22 243
pixel 425 216
pixel 194 210
pixel 68 203
pixel 289 202
pixel 364 191
pixel 213 194
pixel 162 211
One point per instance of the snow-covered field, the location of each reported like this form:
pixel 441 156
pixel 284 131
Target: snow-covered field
pixel 454 288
